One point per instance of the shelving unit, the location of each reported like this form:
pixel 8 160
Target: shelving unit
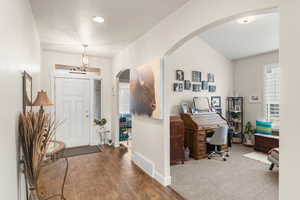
pixel 124 127
pixel 235 116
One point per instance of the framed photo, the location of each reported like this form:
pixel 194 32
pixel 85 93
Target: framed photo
pixel 204 85
pixel 196 76
pixel 179 75
pixel 177 87
pixel 216 101
pixel 254 99
pixel 27 91
pixel 196 87
pixel 211 77
pixel 185 108
pixel 212 88
pixel 187 85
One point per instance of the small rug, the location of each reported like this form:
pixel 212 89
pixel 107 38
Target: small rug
pixel 262 157
pixel 77 151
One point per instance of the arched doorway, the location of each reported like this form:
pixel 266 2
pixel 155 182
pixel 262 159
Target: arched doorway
pixel 168 83
pixel 123 122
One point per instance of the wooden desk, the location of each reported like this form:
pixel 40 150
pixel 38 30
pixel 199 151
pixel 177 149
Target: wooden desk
pixel 196 128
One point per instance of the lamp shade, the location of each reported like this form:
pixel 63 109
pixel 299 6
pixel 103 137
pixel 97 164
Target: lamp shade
pixel 42 99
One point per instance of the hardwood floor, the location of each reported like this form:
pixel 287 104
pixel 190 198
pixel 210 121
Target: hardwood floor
pixel 108 175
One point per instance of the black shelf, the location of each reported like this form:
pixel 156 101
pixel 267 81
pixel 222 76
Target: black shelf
pixel 235 116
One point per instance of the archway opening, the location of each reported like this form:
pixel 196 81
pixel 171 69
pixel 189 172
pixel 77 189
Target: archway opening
pixel 124 121
pixel 217 68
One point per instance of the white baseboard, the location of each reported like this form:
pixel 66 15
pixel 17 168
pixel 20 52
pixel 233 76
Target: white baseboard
pixel 164 180
pixel 149 167
pixel 144 163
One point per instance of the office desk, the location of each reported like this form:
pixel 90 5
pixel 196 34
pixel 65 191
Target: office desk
pixel 197 127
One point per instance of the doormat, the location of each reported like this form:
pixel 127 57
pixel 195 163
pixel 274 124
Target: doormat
pixel 77 151
pixel 262 157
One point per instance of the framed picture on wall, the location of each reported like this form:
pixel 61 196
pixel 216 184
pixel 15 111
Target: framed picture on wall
pixel 204 85
pixel 212 88
pixel 211 77
pixel 216 101
pixel 196 76
pixel 179 75
pixel 27 91
pixel 196 87
pixel 177 87
pixel 187 85
pixel 254 99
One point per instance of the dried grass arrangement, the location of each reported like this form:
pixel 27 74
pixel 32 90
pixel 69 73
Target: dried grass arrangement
pixel 36 129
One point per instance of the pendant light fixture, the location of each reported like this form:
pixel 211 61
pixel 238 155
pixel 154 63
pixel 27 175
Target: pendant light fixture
pixel 84 58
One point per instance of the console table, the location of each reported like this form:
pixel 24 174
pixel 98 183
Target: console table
pixel 264 143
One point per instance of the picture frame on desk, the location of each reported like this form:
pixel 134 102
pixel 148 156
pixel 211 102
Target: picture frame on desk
pixel 185 108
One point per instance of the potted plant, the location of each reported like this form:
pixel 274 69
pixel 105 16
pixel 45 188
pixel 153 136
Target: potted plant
pixel 249 134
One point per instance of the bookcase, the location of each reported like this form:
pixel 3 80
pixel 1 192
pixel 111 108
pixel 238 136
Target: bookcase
pixel 235 116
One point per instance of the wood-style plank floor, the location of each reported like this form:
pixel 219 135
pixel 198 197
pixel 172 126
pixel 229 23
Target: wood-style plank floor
pixel 108 175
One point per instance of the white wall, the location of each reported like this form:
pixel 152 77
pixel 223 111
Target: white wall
pixel 289 61
pixel 50 58
pixel 151 137
pixel 249 80
pixel 197 55
pixel 19 51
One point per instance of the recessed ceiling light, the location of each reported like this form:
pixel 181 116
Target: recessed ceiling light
pixel 98 19
pixel 246 20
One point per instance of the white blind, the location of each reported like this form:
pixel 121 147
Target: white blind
pixel 272 94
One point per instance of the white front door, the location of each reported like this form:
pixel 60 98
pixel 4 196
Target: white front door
pixel 73 110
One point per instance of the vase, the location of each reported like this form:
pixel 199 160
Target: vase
pixel 33 194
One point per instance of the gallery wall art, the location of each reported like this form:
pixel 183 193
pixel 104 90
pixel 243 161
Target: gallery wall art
pixel 200 81
pixel 146 90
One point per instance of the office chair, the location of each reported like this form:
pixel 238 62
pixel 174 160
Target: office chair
pixel 218 139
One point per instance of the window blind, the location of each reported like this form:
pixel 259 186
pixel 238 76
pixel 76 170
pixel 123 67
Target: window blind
pixel 272 94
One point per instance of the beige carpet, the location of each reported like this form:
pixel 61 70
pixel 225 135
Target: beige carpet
pixel 239 178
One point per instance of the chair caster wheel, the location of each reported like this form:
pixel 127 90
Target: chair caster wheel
pixel 224 159
pixel 227 155
pixel 209 158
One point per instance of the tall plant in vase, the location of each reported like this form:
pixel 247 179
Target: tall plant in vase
pixel 249 134
pixel 35 131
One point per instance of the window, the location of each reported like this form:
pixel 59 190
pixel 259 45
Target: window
pixel 272 94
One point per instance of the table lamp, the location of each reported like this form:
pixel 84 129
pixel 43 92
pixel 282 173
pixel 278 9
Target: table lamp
pixel 42 100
